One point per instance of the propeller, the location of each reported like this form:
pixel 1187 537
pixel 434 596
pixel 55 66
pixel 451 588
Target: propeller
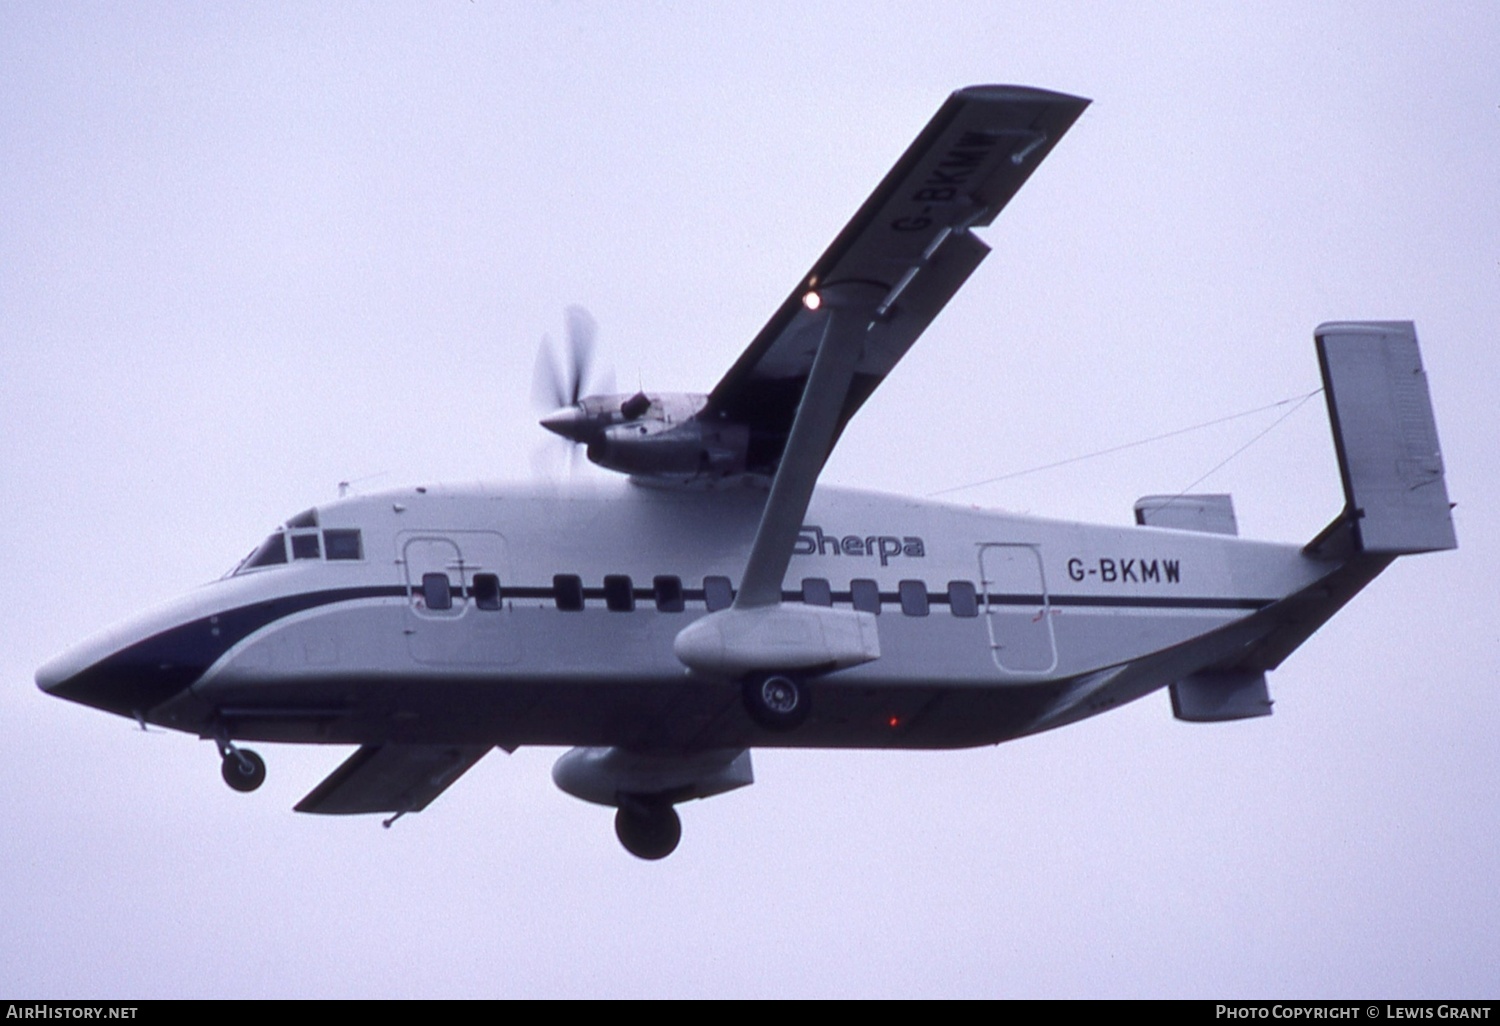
pixel 562 377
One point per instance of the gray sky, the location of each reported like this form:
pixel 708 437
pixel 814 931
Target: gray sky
pixel 243 246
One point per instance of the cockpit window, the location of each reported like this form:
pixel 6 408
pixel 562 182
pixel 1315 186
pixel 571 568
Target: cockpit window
pixel 305 545
pixel 342 543
pixel 307 518
pixel 271 552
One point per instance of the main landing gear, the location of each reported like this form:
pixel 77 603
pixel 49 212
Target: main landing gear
pixel 241 768
pixel 647 827
pixel 777 701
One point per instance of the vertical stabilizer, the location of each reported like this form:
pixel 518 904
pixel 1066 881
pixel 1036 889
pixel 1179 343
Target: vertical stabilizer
pixel 1383 427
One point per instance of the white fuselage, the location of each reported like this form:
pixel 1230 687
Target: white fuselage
pixel 990 625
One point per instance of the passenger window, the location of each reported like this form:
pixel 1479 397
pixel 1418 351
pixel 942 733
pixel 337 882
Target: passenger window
pixel 866 595
pixel 717 594
pixel 487 591
pixel 914 598
pixel 304 546
pixel 437 592
pixel 342 543
pixel 962 599
pixel 617 593
pixel 668 594
pixel 816 592
pixel 569 591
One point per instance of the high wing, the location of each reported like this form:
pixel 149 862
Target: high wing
pixel 908 249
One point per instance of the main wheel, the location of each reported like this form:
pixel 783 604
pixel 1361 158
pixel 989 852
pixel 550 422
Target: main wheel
pixel 776 701
pixel 648 830
pixel 243 770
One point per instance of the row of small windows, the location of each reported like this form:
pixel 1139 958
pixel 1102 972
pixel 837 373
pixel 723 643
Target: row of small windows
pixel 668 595
pixel 437 593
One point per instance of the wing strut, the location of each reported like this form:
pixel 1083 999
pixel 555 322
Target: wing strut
pixel 847 312
pixel 836 337
pixel 760 632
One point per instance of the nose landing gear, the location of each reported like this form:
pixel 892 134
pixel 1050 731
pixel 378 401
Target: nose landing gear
pixel 241 768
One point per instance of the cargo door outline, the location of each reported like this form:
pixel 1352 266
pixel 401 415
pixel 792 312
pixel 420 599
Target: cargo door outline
pixel 1017 608
pixel 463 635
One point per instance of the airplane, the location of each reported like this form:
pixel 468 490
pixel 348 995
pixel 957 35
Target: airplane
pixel 714 599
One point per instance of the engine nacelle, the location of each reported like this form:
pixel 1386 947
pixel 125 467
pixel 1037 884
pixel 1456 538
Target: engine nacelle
pixel 653 435
pixel 652 448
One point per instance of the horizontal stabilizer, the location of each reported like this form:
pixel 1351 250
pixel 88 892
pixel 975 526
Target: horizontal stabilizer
pixel 1210 514
pixel 1219 696
pixel 1386 437
pixel 391 778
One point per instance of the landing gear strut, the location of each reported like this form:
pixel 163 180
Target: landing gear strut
pixel 241 768
pixel 648 828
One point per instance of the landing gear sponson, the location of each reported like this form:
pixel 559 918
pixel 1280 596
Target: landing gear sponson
pixel 644 789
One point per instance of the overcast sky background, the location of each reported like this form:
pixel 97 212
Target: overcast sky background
pixel 244 247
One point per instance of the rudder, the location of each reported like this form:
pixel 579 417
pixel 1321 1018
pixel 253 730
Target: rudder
pixel 1396 500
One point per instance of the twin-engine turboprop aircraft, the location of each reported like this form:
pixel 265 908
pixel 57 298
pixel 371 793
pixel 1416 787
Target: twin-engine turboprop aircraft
pixel 716 600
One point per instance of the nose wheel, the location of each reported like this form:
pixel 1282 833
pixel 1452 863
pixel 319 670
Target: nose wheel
pixel 241 768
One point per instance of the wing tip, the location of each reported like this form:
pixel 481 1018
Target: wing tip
pixel 1014 93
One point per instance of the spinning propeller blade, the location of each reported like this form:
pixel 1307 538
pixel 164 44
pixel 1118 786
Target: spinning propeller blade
pixel 562 378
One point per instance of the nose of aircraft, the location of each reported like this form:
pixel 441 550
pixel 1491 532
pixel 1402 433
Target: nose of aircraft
pixel 56 671
pixel 62 673
pixel 119 673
